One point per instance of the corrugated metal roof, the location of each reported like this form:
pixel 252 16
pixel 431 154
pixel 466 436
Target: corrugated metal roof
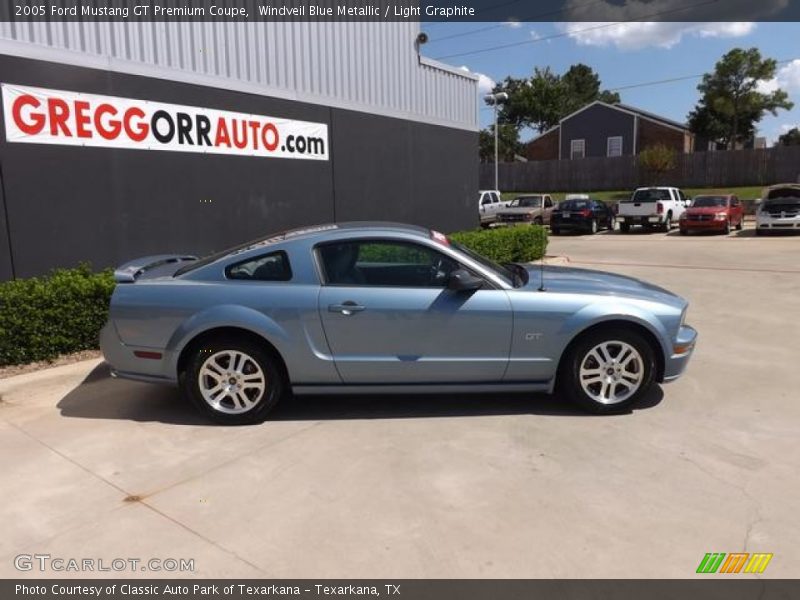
pixel 364 66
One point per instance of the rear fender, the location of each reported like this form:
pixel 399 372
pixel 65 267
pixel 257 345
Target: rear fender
pixel 226 315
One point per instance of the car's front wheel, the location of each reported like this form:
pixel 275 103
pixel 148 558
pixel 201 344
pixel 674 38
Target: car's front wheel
pixel 233 382
pixel 607 371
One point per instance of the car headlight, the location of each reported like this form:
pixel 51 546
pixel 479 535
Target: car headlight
pixel 720 216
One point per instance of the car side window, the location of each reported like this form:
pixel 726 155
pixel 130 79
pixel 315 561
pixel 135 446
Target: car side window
pixel 734 201
pixel 495 199
pixel 486 199
pixel 548 202
pixel 384 263
pixel 267 267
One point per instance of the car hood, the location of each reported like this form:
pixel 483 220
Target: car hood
pixel 706 210
pixel 516 210
pixel 586 281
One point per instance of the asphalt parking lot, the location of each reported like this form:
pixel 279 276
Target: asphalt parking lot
pixel 481 486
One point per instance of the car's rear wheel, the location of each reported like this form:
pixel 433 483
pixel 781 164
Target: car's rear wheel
pixel 233 382
pixel 593 226
pixel 607 371
pixel 667 224
pixel 538 221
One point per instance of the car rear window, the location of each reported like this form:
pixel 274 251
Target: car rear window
pixel 574 205
pixel 267 267
pixel 650 195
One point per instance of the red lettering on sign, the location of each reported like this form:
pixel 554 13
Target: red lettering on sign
pixel 270 145
pixel 110 130
pixel 82 119
pixel 58 113
pixel 222 134
pixel 36 120
pixel 136 131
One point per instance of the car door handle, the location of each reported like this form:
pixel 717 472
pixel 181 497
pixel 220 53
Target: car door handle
pixel 346 308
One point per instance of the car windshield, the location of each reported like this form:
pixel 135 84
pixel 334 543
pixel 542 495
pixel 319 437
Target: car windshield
pixel 649 195
pixel 527 202
pixel 708 201
pixel 504 273
pixel 574 205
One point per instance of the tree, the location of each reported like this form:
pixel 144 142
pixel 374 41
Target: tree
pixel 731 103
pixel 543 99
pixel 657 160
pixel 790 138
pixel 508 143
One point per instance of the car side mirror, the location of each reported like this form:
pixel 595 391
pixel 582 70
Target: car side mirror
pixel 462 280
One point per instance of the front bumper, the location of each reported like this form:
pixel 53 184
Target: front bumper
pixel 710 225
pixel 683 347
pixel 769 224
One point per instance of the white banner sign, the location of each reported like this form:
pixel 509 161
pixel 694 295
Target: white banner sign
pixel 41 116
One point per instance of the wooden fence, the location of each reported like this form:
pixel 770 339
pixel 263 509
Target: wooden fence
pixel 701 169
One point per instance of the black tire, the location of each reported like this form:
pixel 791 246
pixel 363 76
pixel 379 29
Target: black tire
pixel 760 231
pixel 624 228
pixel 684 232
pixel 569 383
pixel 593 227
pixel 727 229
pixel 666 226
pixel 538 221
pixel 263 403
pixel 740 224
pixel 555 231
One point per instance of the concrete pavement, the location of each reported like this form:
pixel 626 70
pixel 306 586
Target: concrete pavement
pixel 480 486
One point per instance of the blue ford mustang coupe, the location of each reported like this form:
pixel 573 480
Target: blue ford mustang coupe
pixel 381 307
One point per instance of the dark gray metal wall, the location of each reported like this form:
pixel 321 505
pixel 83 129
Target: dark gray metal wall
pixel 595 125
pixel 66 204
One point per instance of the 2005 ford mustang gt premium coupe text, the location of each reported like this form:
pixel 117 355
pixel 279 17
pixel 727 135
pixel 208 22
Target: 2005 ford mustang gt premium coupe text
pixel 381 307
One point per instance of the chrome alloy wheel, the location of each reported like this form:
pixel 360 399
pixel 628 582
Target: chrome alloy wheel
pixel 231 382
pixel 611 372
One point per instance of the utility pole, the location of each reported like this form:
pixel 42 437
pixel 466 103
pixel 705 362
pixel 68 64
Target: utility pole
pixel 494 100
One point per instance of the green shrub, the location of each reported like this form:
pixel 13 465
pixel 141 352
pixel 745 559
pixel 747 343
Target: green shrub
pixel 506 244
pixel 43 317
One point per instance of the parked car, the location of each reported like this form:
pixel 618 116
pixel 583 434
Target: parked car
pixel 379 307
pixel 527 209
pixel 779 209
pixel 713 213
pixel 652 207
pixel 489 202
pixel 587 216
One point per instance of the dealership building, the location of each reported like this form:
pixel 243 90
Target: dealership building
pixel 128 139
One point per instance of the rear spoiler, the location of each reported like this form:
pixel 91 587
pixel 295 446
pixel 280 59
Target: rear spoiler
pixel 131 271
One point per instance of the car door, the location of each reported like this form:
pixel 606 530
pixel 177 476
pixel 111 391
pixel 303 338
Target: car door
pixel 547 210
pixel 737 210
pixel 389 318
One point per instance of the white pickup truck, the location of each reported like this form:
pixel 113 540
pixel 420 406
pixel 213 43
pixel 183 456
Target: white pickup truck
pixel 652 207
pixel 489 203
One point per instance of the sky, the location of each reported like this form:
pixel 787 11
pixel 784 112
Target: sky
pixel 623 54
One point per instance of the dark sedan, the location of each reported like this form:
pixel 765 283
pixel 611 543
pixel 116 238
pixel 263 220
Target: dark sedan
pixel 587 216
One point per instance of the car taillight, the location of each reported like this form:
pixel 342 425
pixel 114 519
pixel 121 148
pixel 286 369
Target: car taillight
pixel 586 212
pixel 659 208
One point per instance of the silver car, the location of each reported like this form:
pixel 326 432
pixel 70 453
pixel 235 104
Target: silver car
pixel 379 307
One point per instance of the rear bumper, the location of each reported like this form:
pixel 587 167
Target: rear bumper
pixel 684 346
pixel 571 225
pixel 124 362
pixel 640 220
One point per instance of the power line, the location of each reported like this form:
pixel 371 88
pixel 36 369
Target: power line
pixel 505 24
pixel 665 81
pixel 573 32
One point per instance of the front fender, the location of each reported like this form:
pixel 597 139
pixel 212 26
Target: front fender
pixel 603 311
pixel 226 315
